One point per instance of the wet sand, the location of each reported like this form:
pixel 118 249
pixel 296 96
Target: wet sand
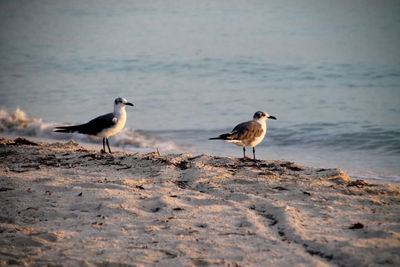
pixel 64 205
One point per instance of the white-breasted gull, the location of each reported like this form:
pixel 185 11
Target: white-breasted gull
pixel 103 126
pixel 249 133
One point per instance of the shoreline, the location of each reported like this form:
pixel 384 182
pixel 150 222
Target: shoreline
pixel 65 204
pixel 355 174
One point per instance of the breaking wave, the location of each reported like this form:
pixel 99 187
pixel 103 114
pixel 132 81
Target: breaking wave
pixel 17 123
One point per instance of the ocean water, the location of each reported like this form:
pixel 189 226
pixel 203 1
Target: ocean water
pixel 328 70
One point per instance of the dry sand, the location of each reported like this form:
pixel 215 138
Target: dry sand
pixel 62 205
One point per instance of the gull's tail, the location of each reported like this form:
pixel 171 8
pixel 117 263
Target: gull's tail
pixel 67 129
pixel 227 136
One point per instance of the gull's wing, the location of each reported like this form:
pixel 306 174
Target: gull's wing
pixel 93 127
pixel 246 130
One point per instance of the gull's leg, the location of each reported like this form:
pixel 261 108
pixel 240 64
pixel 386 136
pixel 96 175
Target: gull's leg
pixel 244 152
pixel 108 145
pixel 104 145
pixel 254 153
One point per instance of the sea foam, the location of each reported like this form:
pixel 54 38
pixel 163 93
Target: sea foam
pixel 17 123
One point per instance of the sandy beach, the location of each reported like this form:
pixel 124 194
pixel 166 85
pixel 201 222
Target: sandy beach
pixel 64 205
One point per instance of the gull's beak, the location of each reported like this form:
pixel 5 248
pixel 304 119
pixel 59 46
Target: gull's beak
pixel 272 117
pixel 129 104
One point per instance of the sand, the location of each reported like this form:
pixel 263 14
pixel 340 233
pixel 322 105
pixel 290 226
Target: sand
pixel 64 205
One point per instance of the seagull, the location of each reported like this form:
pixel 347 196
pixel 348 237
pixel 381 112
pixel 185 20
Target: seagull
pixel 249 133
pixel 103 126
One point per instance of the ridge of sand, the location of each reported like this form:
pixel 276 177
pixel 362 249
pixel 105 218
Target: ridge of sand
pixel 62 205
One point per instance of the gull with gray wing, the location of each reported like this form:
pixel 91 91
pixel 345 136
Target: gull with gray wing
pixel 249 133
pixel 103 126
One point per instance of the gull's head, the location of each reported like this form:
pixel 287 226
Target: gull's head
pixel 261 115
pixel 121 102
